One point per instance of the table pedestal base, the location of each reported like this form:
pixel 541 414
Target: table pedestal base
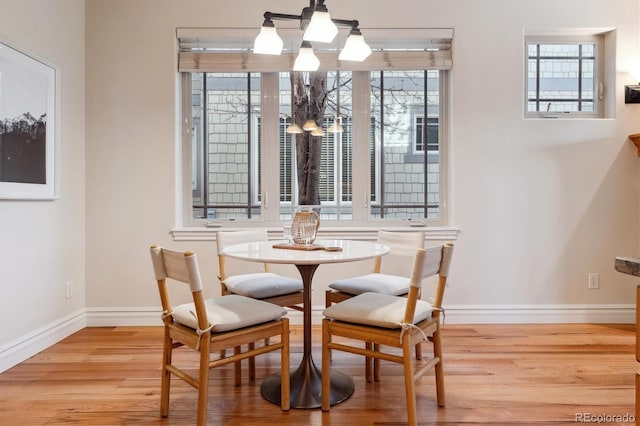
pixel 306 387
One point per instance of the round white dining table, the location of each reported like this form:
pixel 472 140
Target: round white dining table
pixel 306 379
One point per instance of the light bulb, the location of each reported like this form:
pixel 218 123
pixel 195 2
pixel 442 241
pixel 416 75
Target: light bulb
pixel 321 28
pixel 306 59
pixel 355 48
pixel 268 42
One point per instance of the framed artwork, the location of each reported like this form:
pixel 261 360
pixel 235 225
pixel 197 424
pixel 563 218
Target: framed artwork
pixel 27 126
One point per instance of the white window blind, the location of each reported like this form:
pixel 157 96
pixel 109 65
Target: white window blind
pixel 229 50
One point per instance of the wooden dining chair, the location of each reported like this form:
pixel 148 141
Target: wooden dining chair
pixel 403 245
pixel 265 285
pixel 392 322
pixel 211 325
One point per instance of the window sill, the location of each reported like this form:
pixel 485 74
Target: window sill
pixel 436 233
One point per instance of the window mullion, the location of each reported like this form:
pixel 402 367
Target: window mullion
pixel 537 77
pixel 251 141
pixel 381 169
pixel 205 147
pixel 361 108
pixel 425 143
pixel 580 59
pixel 270 128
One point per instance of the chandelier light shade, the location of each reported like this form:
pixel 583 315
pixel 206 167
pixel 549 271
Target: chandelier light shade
pixel 321 28
pixel 317 26
pixel 306 59
pixel 268 42
pixel 317 132
pixel 309 125
pixel 294 129
pixel 355 48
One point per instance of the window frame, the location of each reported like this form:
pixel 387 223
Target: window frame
pixel 418 131
pixel 413 157
pixel 270 192
pixel 198 51
pixel 599 101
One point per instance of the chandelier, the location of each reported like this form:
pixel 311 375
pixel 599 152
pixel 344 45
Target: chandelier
pixel 318 26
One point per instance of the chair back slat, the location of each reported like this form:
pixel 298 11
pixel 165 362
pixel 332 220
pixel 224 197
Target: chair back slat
pixel 158 263
pixel 193 272
pixel 431 263
pixel 417 272
pixel 416 282
pixel 402 243
pixel 427 263
pixel 443 273
pixel 447 252
pixel 228 238
pixel 180 266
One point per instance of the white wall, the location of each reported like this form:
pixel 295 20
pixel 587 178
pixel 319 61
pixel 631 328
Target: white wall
pixel 540 203
pixel 42 243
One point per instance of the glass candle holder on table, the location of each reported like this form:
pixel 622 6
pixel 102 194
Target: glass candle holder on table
pixel 286 233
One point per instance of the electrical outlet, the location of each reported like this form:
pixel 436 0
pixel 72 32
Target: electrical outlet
pixel 68 289
pixel 593 280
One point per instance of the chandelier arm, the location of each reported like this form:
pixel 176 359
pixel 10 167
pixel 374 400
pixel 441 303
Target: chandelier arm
pixel 282 16
pixel 306 16
pixel 346 23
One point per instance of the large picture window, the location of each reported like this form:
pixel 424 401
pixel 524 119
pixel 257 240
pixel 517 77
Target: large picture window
pixel 380 156
pixel 227 145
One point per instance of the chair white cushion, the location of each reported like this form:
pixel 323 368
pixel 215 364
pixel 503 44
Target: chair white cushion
pixel 229 312
pixel 380 310
pixel 262 284
pixel 377 283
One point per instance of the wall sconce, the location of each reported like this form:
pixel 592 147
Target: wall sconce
pixel 632 94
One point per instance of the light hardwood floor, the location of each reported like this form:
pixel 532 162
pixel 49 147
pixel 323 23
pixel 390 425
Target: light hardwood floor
pixel 494 374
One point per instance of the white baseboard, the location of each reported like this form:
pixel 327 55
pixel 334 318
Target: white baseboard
pixel 18 350
pixel 455 314
pixel 540 314
pixel 21 349
pixel 120 317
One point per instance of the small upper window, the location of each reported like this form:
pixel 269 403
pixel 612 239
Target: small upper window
pixel 564 77
pixel 432 134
